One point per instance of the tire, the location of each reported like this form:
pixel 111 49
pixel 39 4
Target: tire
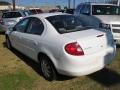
pixel 47 69
pixel 8 43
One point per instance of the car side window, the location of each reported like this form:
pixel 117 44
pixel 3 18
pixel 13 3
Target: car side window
pixel 22 25
pixel 35 27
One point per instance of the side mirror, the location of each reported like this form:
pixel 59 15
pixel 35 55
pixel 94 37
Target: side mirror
pixel 11 29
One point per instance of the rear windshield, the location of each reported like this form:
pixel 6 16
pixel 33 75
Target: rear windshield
pixel 66 23
pixel 11 15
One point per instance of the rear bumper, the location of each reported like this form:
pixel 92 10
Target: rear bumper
pixel 78 66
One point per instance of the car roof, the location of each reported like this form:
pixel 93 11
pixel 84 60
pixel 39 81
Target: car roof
pixel 45 15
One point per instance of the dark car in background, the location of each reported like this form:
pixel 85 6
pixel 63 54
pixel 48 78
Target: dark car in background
pixel 69 11
pixel 36 11
pixel 53 10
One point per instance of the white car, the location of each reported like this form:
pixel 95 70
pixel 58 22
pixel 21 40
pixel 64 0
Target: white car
pixel 10 18
pixel 61 44
pixel 101 15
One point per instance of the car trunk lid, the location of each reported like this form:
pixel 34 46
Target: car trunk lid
pixel 91 41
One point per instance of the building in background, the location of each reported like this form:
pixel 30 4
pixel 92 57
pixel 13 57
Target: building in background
pixel 5 5
pixel 8 6
pixel 43 8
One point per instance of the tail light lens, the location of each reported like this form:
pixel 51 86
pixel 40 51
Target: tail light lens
pixel 74 49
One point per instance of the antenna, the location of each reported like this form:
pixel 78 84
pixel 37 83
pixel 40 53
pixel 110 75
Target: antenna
pixel 73 4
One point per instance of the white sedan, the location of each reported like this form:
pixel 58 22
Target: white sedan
pixel 61 44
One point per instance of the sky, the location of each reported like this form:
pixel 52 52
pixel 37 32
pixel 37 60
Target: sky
pixel 48 2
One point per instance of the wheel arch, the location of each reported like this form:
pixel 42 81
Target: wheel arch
pixel 52 60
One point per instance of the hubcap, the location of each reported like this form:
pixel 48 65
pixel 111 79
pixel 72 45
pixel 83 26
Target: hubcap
pixel 46 69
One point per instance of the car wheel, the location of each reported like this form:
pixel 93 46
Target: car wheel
pixel 8 43
pixel 47 69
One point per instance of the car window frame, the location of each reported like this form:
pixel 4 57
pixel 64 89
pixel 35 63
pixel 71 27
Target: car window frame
pixel 31 18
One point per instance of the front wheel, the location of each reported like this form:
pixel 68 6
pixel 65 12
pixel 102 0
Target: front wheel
pixel 47 69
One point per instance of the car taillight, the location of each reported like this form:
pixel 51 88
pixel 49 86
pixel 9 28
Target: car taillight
pixel 74 49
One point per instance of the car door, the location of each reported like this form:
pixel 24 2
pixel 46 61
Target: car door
pixel 32 37
pixel 16 34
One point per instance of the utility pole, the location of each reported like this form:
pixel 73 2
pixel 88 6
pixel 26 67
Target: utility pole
pixel 73 4
pixel 69 4
pixel 14 4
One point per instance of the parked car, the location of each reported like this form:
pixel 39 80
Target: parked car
pixel 53 10
pixel 101 15
pixel 61 44
pixel 61 10
pixel 69 11
pixel 36 11
pixel 10 18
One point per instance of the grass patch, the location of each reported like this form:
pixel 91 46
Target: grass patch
pixel 117 54
pixel 17 81
pixel 115 65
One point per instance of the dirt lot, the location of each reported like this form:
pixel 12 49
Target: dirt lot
pixel 17 72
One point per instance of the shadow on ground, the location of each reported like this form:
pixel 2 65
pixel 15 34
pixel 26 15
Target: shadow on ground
pixel 106 77
pixel 35 66
pixel 2 33
pixel 118 46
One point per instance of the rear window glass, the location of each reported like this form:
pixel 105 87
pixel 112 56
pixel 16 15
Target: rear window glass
pixel 11 15
pixel 66 23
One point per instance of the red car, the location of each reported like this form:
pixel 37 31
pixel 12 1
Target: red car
pixel 36 11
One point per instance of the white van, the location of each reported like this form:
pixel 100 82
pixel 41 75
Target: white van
pixel 101 15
